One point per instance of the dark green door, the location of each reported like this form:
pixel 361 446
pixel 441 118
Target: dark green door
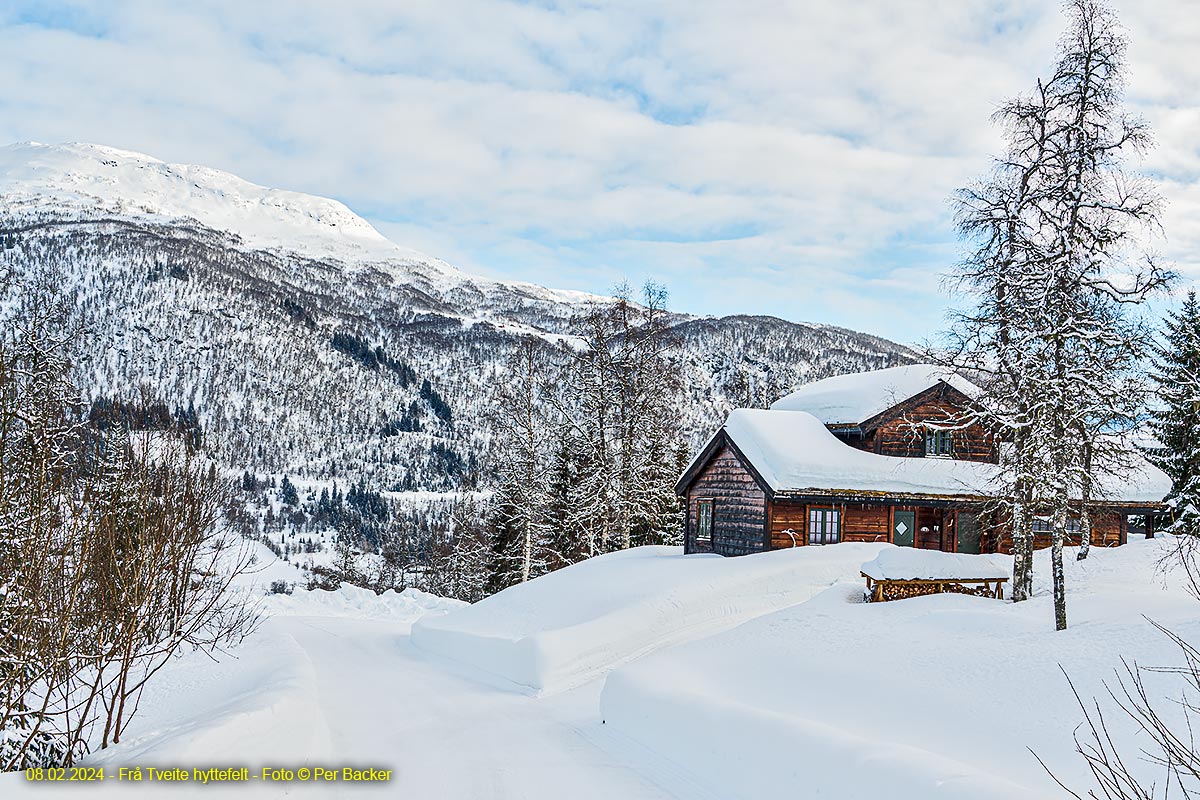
pixel 968 533
pixel 903 525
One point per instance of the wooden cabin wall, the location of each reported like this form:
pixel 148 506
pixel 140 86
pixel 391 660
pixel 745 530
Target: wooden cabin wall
pixel 860 522
pixel 739 507
pixel 866 523
pixel 856 441
pixel 904 435
pixel 930 529
pixel 784 516
pixel 1107 531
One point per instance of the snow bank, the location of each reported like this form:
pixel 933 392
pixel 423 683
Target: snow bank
pixel 934 697
pixel 908 563
pixel 571 626
pixel 353 601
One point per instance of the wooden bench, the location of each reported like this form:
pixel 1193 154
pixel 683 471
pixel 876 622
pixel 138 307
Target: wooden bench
pixel 881 590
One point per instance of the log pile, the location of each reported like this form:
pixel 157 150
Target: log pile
pixel 885 590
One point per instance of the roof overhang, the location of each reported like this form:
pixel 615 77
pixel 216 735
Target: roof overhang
pixel 939 500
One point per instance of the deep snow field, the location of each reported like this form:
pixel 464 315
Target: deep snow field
pixel 648 674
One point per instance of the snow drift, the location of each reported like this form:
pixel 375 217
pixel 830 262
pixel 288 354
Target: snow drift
pixel 571 626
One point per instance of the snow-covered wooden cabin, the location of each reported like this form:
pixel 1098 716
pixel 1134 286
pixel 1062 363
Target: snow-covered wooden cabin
pixel 875 456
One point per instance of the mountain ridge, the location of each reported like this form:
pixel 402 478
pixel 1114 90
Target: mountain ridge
pixel 74 176
pixel 307 353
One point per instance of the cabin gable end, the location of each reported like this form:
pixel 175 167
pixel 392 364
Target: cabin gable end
pixel 726 503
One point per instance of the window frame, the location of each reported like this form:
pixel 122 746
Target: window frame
pixel 711 505
pixel 1045 524
pixel 942 441
pixel 821 516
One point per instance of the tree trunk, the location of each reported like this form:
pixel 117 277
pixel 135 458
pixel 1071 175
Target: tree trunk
pixel 1056 564
pixel 1022 582
pixel 1085 532
pixel 1085 513
pixel 526 551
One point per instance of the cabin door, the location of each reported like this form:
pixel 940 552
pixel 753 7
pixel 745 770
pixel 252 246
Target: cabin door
pixel 903 525
pixel 968 533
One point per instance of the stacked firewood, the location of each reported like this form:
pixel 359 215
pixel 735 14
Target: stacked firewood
pixel 902 590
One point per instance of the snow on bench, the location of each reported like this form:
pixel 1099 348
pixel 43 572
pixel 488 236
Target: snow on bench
pixel 902 572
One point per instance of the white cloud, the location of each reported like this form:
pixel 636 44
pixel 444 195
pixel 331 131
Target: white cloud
pixel 779 157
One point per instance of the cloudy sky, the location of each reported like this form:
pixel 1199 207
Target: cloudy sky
pixel 786 158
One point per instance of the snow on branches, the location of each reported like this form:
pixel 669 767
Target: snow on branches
pixel 1057 265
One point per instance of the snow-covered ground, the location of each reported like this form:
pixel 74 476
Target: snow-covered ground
pixel 331 679
pixel 934 697
pixel 572 626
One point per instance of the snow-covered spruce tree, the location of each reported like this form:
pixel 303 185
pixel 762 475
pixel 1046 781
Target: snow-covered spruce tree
pixel 1054 272
pixel 568 506
pixel 1175 421
pixel 463 566
pixel 660 520
pixel 587 449
pixel 287 493
pixel 584 404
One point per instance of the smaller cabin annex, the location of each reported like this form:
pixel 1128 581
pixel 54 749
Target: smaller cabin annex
pixel 827 464
pixel 909 412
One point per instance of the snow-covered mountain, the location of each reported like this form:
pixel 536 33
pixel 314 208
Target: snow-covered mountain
pixel 309 343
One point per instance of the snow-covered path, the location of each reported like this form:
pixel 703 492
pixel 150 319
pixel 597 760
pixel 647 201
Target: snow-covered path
pixel 386 704
pixel 335 691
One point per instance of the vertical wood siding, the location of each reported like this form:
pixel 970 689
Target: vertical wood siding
pixel 866 523
pixel 861 522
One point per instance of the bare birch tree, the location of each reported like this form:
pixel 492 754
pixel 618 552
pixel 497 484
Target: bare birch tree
pixel 113 557
pixel 1056 266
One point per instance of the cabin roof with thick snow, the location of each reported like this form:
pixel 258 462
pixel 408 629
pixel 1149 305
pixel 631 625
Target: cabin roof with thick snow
pixel 792 452
pixel 854 399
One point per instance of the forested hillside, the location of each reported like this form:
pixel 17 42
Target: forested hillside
pixel 296 340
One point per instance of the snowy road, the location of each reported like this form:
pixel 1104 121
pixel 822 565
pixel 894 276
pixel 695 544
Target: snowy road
pixel 340 691
pixel 446 736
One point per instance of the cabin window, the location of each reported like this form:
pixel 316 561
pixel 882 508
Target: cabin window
pixel 704 521
pixel 939 442
pixel 824 525
pixel 1044 525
